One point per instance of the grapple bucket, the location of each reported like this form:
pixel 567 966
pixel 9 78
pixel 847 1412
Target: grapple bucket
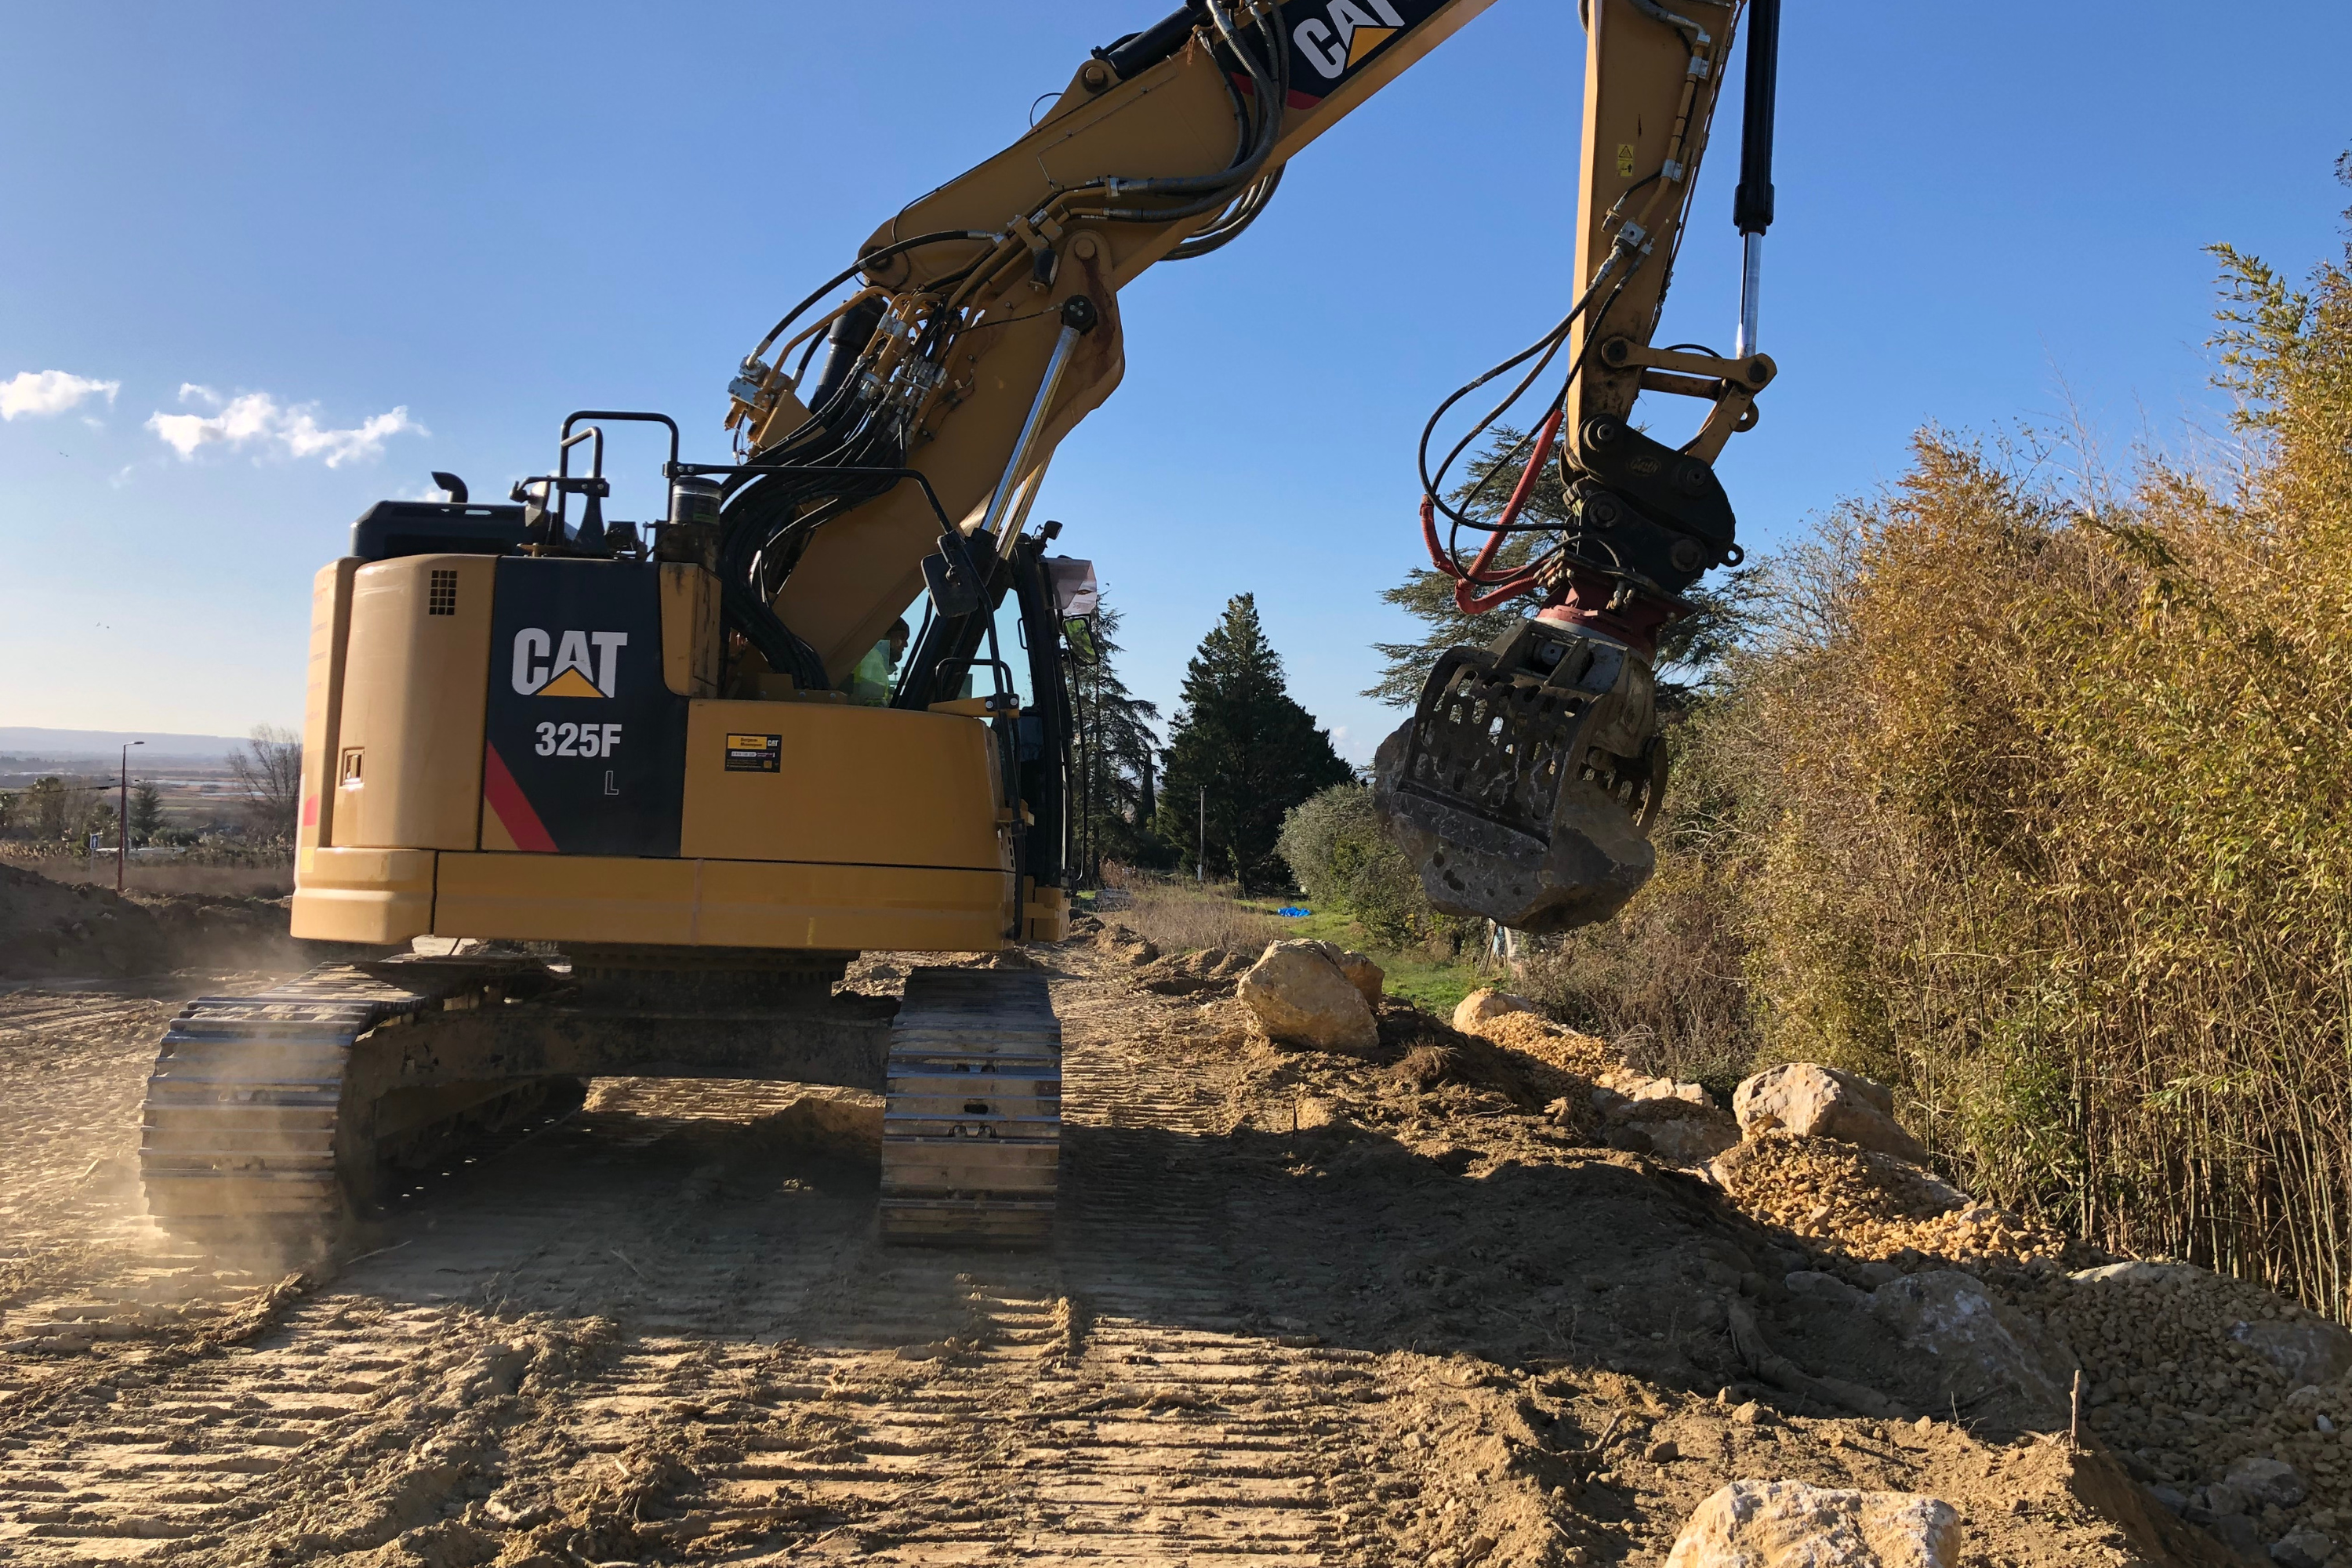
pixel 1524 787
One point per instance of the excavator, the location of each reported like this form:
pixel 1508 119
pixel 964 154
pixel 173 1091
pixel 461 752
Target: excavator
pixel 590 798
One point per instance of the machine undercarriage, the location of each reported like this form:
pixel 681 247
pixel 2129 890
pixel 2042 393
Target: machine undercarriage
pixel 282 1117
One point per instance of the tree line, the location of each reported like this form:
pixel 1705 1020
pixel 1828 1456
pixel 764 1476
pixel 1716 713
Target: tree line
pixel 1241 753
pixel 58 809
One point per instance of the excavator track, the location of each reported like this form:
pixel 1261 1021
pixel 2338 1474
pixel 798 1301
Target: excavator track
pixel 250 1127
pixel 971 1127
pixel 272 1118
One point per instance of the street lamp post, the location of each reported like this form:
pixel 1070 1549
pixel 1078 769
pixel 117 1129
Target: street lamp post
pixel 122 817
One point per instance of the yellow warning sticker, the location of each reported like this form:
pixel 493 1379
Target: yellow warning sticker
pixel 755 753
pixel 1624 160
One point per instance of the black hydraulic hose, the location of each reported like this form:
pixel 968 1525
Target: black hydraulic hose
pixel 1548 345
pixel 1272 90
pixel 880 253
pixel 1233 223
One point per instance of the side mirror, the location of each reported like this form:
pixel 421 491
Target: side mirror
pixel 953 583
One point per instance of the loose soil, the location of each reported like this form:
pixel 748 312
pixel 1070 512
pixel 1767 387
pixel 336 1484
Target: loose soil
pixel 1303 1307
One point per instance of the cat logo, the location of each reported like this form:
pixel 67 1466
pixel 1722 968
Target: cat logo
pixel 1339 40
pixel 573 672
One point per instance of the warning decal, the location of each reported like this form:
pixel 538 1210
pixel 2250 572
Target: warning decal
pixel 755 753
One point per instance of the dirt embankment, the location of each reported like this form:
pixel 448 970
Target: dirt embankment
pixel 58 930
pixel 1404 1306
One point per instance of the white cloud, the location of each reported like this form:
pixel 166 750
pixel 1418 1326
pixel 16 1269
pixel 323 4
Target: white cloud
pixel 257 419
pixel 50 392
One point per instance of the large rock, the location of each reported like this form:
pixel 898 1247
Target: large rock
pixel 1789 1525
pixel 1989 1359
pixel 2303 1548
pixel 1658 1116
pixel 2256 1482
pixel 2308 1351
pixel 1298 993
pixel 1816 1101
pixel 1489 1003
pixel 1362 973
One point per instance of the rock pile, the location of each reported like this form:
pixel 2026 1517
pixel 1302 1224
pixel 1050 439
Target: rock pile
pixel 2232 1401
pixel 1678 1122
pixel 1870 1206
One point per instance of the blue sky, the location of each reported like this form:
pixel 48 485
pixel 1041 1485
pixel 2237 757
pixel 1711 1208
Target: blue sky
pixel 377 241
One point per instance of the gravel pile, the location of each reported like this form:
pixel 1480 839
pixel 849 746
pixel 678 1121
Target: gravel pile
pixel 1585 1056
pixel 1871 1206
pixel 2192 1373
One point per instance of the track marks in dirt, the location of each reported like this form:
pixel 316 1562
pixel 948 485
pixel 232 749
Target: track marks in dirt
pixel 658 1330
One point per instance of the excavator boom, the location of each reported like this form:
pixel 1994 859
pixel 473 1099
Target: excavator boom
pixel 984 325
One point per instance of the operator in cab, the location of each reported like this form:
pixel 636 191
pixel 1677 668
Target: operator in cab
pixel 869 683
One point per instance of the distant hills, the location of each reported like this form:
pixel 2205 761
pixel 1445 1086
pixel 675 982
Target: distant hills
pixel 75 743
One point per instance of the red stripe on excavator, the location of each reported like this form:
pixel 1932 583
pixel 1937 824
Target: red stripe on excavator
pixel 1295 99
pixel 505 798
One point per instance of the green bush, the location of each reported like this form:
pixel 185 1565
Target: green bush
pixel 1342 854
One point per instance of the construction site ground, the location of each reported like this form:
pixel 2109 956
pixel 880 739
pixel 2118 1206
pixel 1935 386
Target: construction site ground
pixel 1304 1307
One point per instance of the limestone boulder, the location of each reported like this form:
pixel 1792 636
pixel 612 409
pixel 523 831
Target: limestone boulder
pixel 1299 995
pixel 1817 1101
pixel 1789 1524
pixel 1990 1358
pixel 2308 1351
pixel 1362 973
pixel 1489 1003
pixel 2303 1548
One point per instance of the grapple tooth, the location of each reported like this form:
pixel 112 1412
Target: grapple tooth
pixel 1524 787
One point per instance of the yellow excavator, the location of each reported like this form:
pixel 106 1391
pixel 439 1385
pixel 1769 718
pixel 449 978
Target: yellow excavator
pixel 618 800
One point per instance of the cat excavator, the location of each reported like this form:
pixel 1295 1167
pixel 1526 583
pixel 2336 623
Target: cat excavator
pixel 594 798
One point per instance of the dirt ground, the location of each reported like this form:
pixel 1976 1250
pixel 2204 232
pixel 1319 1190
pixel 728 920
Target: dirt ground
pixel 1303 1309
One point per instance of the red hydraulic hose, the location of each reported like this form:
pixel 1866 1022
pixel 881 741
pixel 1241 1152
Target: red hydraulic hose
pixel 1464 599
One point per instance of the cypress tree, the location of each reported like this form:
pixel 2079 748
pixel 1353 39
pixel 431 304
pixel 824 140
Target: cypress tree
pixel 1256 752
pixel 1116 761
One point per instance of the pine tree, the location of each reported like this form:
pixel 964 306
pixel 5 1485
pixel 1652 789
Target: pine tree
pixel 1114 765
pixel 146 811
pixel 1688 648
pixel 1241 739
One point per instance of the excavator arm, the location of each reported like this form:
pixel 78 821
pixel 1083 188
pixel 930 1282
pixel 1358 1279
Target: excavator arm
pixel 981 323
